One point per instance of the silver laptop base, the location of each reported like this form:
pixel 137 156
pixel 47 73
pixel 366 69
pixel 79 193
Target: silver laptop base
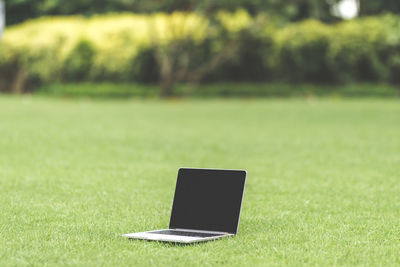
pixel 150 235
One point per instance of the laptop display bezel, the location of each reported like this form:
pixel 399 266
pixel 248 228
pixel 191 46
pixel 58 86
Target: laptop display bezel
pixel 208 169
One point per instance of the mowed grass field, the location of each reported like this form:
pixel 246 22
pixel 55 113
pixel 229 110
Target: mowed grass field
pixel 323 184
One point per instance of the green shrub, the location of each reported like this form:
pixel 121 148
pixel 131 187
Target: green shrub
pixel 78 64
pixel 360 50
pixel 101 48
pixel 120 48
pixel 123 90
pixel 249 63
pixel 354 53
pixel 143 67
pixel 301 51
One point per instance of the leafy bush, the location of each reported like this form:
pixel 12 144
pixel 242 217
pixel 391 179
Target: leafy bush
pixel 79 62
pixel 361 50
pixel 123 90
pixel 120 48
pixel 301 52
pixel 102 48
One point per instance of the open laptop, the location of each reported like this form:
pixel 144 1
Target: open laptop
pixel 206 206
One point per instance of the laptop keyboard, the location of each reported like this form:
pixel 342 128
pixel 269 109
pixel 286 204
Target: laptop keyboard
pixel 183 233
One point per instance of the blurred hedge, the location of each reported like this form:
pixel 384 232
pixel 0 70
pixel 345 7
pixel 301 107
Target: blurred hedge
pixel 117 48
pixel 228 90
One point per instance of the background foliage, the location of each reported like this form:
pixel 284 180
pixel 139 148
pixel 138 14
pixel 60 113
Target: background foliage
pixel 20 10
pixel 120 48
pixel 292 10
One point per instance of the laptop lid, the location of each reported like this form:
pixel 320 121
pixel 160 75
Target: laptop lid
pixel 208 200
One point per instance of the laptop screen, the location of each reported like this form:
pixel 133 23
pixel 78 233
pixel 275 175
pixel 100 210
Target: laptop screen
pixel 208 200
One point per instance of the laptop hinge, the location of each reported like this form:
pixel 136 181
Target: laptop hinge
pixel 201 231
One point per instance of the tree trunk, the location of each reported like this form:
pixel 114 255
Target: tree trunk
pixel 17 86
pixel 166 86
pixel 362 10
pixel 166 61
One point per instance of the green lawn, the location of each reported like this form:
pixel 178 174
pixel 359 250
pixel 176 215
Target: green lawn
pixel 323 183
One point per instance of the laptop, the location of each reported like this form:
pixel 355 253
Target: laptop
pixel 206 206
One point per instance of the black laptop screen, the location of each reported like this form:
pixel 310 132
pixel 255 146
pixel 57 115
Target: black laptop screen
pixel 208 200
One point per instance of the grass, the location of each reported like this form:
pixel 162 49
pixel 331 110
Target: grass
pixel 323 180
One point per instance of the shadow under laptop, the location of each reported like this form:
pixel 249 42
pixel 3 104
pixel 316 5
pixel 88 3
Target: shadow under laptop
pixel 169 243
pixel 176 244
